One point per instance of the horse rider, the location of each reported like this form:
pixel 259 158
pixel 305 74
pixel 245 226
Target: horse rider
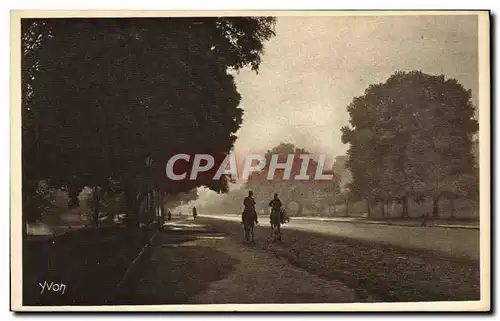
pixel 275 205
pixel 249 215
pixel 275 217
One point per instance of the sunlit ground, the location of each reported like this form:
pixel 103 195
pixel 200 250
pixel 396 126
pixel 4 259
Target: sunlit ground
pixel 38 229
pixel 180 225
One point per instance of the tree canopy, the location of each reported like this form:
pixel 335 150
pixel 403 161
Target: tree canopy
pixel 411 136
pixel 103 96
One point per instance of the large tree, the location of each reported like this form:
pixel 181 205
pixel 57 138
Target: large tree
pixel 411 135
pixel 101 97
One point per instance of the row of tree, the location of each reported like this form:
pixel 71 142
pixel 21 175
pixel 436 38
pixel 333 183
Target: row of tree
pixel 105 101
pixel 411 137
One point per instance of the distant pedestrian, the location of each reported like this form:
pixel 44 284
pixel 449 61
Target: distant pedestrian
pixel 169 216
pixel 195 213
pixel 424 219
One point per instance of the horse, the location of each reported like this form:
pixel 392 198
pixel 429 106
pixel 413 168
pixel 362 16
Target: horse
pixel 276 220
pixel 249 220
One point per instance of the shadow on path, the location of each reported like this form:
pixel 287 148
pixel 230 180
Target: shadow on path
pixel 176 269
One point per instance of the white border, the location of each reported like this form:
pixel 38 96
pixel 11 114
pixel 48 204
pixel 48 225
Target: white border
pixel 436 306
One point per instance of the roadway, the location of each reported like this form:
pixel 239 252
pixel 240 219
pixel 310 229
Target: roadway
pixel 452 241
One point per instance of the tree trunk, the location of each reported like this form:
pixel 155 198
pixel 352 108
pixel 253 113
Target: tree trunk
pixel 346 208
pixel 24 230
pixel 24 243
pixel 404 201
pixel 111 210
pixel 148 206
pixel 368 209
pixel 157 207
pixel 132 205
pixel 161 212
pixel 452 208
pixel 300 209
pixel 160 204
pixel 382 209
pixel 151 204
pixel 96 203
pixel 26 209
pixel 435 207
pixel 163 208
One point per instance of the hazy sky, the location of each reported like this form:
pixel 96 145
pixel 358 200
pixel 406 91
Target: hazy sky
pixel 315 66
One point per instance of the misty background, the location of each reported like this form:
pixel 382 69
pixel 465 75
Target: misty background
pixel 315 66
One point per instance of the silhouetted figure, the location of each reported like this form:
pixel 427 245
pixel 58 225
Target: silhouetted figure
pixel 249 216
pixel 169 216
pixel 195 213
pixel 425 217
pixel 275 217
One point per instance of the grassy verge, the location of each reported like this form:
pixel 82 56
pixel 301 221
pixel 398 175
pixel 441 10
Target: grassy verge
pixel 89 262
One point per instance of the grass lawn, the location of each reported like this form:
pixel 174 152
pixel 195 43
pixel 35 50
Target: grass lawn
pixel 90 262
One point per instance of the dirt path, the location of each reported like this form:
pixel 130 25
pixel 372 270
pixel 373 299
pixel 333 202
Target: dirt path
pixel 192 264
pixel 260 277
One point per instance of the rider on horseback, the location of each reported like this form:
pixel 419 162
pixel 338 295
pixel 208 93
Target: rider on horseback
pixel 275 217
pixel 249 215
pixel 275 205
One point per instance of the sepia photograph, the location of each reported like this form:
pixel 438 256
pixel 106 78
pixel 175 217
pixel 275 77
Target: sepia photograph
pixel 250 161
